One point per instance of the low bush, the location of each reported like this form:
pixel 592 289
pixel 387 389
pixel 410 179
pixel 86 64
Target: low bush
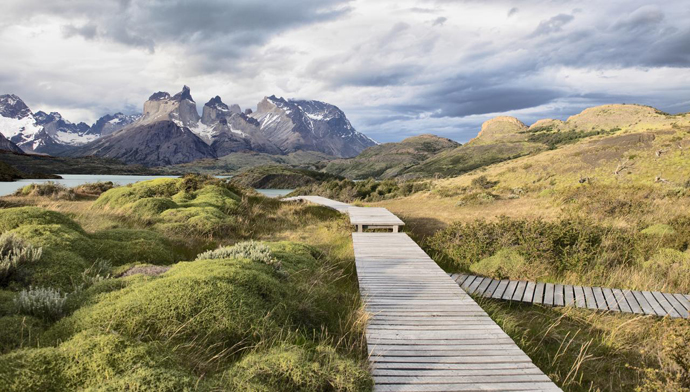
pixel 47 189
pixel 94 188
pixel 44 303
pixel 251 250
pixel 574 247
pixel 297 368
pixel 508 263
pixel 14 254
pixel 367 190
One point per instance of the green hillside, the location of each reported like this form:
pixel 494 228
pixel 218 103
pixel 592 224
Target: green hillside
pixel 390 160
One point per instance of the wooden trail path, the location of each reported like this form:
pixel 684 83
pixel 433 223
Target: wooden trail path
pixel 424 332
pixel 595 298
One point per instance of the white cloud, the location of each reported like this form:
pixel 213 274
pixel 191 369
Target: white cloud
pixel 397 67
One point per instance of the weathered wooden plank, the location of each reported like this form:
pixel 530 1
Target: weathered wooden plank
pixel 466 284
pixel 589 296
pixel 632 302
pixel 683 301
pixel 658 309
pixel 508 294
pixel 644 304
pixel 569 295
pixel 677 305
pixel 599 297
pixel 580 299
pixel 539 293
pixel 670 310
pixel 492 288
pixel 519 291
pixel 611 300
pixel 621 301
pixel 529 292
pixel 498 293
pixel 473 287
pixel 558 295
pixel 548 294
pixel 483 286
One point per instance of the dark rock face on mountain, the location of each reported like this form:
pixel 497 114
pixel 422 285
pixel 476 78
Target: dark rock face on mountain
pixel 278 127
pixel 61 129
pixel 294 125
pixel 229 130
pixel 7 145
pixel 111 123
pixel 156 144
pixel 11 106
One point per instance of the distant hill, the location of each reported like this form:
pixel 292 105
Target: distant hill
pixel 62 165
pixel 280 177
pixel 390 160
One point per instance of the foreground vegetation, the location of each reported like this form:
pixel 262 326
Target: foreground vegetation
pixel 121 293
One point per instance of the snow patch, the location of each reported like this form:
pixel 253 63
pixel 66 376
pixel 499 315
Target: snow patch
pixel 11 127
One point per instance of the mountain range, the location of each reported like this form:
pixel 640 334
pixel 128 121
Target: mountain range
pixel 171 131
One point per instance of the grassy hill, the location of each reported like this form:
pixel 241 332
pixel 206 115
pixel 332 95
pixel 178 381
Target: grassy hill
pixel 29 163
pixel 238 161
pixel 604 202
pixel 156 286
pixel 280 177
pixel 390 160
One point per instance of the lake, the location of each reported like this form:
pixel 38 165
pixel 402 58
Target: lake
pixel 72 180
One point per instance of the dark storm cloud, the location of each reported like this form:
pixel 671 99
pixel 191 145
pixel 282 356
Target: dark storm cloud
pixel 552 25
pixel 439 21
pixel 148 24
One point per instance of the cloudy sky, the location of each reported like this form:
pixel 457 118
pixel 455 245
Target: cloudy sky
pixel 396 67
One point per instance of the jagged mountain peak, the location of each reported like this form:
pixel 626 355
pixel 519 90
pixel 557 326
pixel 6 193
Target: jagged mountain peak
pixel 294 124
pixel 217 103
pixel 11 106
pixel 159 96
pixel 184 94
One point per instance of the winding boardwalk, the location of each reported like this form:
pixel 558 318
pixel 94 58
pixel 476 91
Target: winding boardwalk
pixel 424 332
pixel 596 298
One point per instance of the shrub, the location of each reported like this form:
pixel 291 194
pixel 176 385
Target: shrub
pixel 293 368
pixel 47 189
pixel 254 251
pixel 94 188
pixel 95 362
pixel 658 229
pixel 482 182
pixel 507 264
pixel 44 303
pixel 671 266
pixel 211 307
pixel 99 271
pixel 14 253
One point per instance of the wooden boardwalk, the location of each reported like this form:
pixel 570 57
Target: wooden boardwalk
pixel 424 332
pixel 597 298
pixel 361 217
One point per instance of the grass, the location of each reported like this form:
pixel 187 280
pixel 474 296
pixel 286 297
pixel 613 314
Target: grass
pixel 590 351
pixel 212 324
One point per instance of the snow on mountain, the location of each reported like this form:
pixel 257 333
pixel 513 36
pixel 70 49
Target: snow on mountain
pixel 309 125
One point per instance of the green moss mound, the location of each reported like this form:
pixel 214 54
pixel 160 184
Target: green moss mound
pixel 659 229
pixel 68 250
pixel 505 264
pixel 94 362
pixel 214 303
pixel 293 368
pixel 152 206
pixel 194 205
pixel 12 218
pixel 19 331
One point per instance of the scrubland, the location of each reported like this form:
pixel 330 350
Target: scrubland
pixel 119 291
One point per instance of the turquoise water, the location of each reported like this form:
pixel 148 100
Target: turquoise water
pixel 71 180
